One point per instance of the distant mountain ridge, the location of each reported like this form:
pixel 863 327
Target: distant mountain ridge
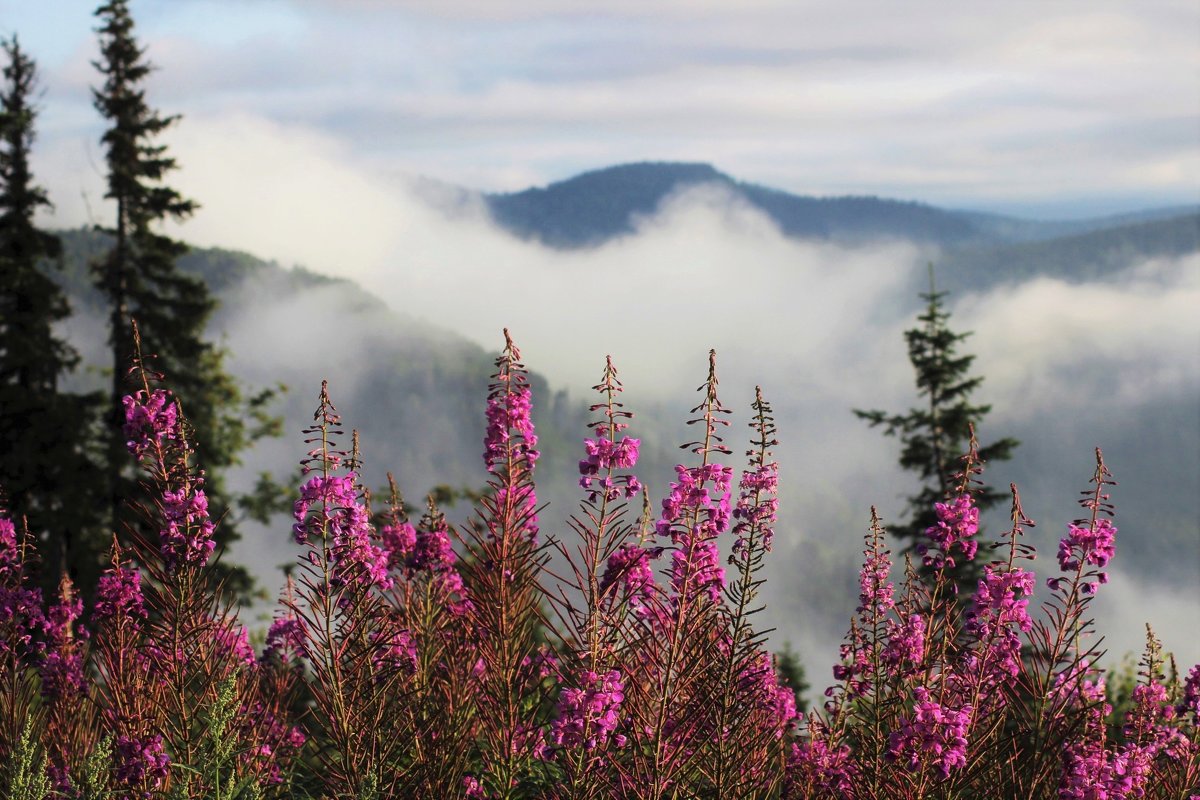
pixel 975 248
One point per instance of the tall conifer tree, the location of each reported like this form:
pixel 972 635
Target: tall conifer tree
pixel 935 437
pixel 141 281
pixel 46 473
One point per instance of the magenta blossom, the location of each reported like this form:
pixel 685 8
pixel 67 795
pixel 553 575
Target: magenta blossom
pixel 149 420
pixel 188 536
pixel 119 594
pixel 958 521
pixel 589 716
pixel 630 567
pixel 1091 544
pixel 507 412
pixel 934 737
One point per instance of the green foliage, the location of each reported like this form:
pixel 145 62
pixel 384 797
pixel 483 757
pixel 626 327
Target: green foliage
pixel 27 778
pixel 213 772
pixel 935 436
pixel 93 782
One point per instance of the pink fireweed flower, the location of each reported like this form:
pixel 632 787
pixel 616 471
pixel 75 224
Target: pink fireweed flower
pixel 703 569
pixel 21 613
pixel 473 789
pixel 856 668
pixel 588 717
pixel 630 568
pixel 10 556
pixel 433 550
pixel 1190 704
pixel 690 494
pixel 329 507
pixel 62 667
pixel 757 507
pixel 934 737
pixel 398 541
pixel 286 640
pixel 816 764
pixel 957 522
pixel 772 695
pixel 1086 544
pixel 394 652
pixel 138 761
pixel 280 743
pixel 524 506
pixel 119 594
pixel 603 455
pixel 187 538
pixel 905 646
pixel 234 641
pixel 336 492
pixel 507 412
pixel 1001 600
pixel 876 592
pixel 999 609
pixel 149 420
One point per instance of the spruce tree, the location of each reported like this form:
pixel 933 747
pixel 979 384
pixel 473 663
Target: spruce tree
pixel 47 472
pixel 936 436
pixel 141 281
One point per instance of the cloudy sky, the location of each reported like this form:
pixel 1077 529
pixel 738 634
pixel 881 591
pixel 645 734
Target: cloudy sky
pixel 1040 108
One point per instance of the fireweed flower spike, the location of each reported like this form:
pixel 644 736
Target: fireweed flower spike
pixel 745 744
pixel 350 638
pixel 501 571
pixel 588 712
pixel 686 638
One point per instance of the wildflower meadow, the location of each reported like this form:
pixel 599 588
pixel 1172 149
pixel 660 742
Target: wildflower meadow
pixel 615 657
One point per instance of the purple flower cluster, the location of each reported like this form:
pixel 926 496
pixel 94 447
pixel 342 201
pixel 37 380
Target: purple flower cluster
pixel 588 716
pixel 344 523
pixel 1086 544
pixel 815 764
pixel 999 612
pixel 958 521
pixel 509 411
pixel 875 591
pixel 119 594
pixel 10 557
pixel 62 667
pixel 1190 704
pixel 630 568
pixel 149 420
pixel 394 652
pixel 693 520
pixel 757 507
pixel 234 641
pixel 433 551
pixel 286 640
pixel 523 507
pixel 604 456
pixel 934 737
pixel 778 701
pixel 138 761
pixel 905 646
pixel 690 496
pixel 280 743
pixel 701 568
pixel 398 540
pixel 187 538
pixel 20 608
